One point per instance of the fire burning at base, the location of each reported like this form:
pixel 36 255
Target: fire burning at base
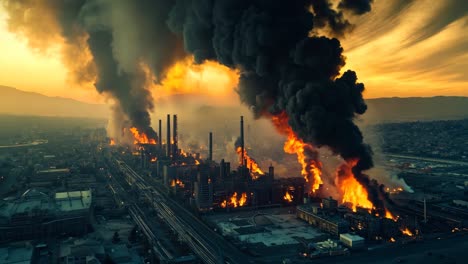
pixel 288 197
pixel 407 232
pixel 234 201
pixel 306 154
pixel 178 183
pixel 140 137
pixel 250 163
pixel 353 192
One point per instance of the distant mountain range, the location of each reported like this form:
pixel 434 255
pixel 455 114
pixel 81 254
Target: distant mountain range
pixel 17 102
pixel 397 109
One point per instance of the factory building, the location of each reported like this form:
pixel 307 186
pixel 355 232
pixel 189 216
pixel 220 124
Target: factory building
pixel 203 189
pixel 209 184
pixel 364 224
pixel 372 227
pixel 327 248
pixel 37 215
pixel 352 241
pixel 315 216
pixel 48 178
pixel 329 203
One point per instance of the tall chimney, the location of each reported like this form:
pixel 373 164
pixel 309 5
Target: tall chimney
pixel 175 146
pixel 160 134
pixel 242 140
pixel 425 211
pixel 271 172
pixel 168 142
pixel 210 153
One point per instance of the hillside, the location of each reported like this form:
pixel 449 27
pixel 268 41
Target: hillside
pixel 17 102
pixel 416 109
pixel 394 109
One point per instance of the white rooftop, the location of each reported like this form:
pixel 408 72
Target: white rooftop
pixel 352 237
pixel 54 170
pixel 69 201
pixel 284 231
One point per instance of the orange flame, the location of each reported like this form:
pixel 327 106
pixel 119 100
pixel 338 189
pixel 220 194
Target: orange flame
pixel 234 201
pixel 154 159
pixel 406 232
pixel 392 240
pixel 197 162
pixel 288 197
pixel 389 215
pixel 223 204
pixel 178 183
pixel 251 163
pixel 112 142
pixel 353 193
pixel 183 153
pixel 311 169
pixel 141 138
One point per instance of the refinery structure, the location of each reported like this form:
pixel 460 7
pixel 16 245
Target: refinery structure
pixel 238 199
pixel 143 199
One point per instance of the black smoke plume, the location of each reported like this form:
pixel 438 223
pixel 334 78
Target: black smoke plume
pixel 357 7
pixel 284 68
pixel 121 37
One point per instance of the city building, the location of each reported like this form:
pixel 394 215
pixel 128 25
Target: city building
pixel 36 215
pixel 327 248
pixel 352 241
pixel 48 178
pixel 17 254
pixel 203 189
pixel 329 223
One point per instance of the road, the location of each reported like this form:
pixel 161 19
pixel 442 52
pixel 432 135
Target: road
pixel 454 162
pixel 207 244
pixel 140 219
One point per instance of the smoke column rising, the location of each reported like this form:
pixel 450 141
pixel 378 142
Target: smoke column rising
pixel 285 65
pixel 122 38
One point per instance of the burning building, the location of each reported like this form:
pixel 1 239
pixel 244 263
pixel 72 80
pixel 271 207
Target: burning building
pixel 203 189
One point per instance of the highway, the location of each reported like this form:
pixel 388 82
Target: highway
pixel 454 162
pixel 209 246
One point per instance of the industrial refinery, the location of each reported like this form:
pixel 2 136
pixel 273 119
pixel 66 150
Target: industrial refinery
pixel 233 131
pixel 265 215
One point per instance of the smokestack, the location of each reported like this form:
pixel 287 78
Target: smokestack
pixel 271 171
pixel 175 147
pixel 425 211
pixel 168 142
pixel 160 134
pixel 242 140
pixel 210 154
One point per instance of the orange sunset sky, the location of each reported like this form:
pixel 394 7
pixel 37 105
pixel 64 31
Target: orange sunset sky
pixel 421 50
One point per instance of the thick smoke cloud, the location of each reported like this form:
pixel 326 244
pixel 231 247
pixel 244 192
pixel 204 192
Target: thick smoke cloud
pixel 122 38
pixel 358 7
pixel 283 68
pixel 284 65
